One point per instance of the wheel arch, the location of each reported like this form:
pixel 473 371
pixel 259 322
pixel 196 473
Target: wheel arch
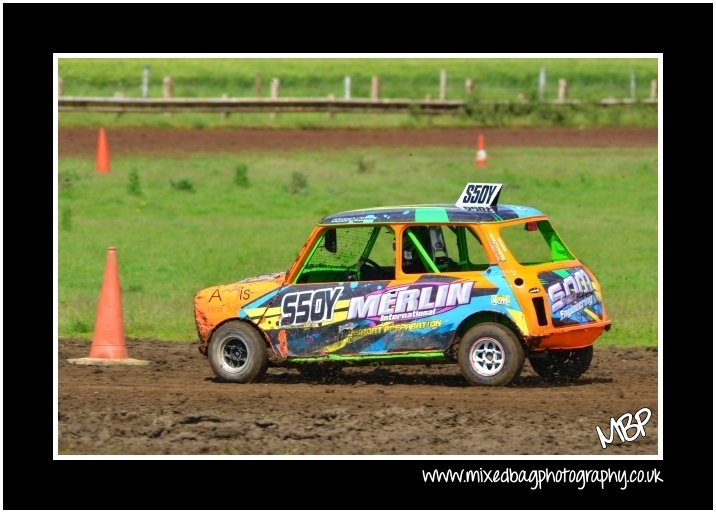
pixel 479 318
pixel 205 345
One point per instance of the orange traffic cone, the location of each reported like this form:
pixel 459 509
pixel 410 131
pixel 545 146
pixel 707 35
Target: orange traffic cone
pixel 102 153
pixel 481 157
pixel 108 345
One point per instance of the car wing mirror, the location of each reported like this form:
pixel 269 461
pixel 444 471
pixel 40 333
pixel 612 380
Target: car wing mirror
pixel 330 242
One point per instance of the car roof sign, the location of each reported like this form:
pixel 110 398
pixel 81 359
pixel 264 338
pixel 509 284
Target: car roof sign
pixel 479 196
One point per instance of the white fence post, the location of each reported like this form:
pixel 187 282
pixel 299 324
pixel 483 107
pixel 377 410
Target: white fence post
pixel 542 82
pixel 653 92
pixel 562 90
pixel 347 88
pixel 275 86
pixel 145 82
pixel 375 88
pixel 443 84
pixel 469 87
pixel 168 89
pixel 59 86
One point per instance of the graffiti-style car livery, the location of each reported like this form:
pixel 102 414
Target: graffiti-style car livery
pixel 483 284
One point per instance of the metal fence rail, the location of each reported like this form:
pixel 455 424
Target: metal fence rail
pixel 230 105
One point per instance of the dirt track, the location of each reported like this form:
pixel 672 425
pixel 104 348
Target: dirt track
pixel 83 141
pixel 174 406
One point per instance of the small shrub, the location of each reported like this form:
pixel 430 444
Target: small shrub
pixel 182 185
pixel 66 219
pixel 66 181
pixel 79 327
pixel 364 165
pixel 134 187
pixel 414 111
pixel 241 178
pixel 298 183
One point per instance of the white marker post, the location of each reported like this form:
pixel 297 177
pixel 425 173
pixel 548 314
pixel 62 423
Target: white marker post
pixel 375 88
pixel 562 90
pixel 347 88
pixel 145 82
pixel 542 82
pixel 275 85
pixel 443 85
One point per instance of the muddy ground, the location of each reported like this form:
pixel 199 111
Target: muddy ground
pixel 174 406
pixel 83 141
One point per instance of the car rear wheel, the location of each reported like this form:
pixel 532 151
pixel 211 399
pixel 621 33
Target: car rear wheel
pixel 237 353
pixel 560 365
pixel 490 354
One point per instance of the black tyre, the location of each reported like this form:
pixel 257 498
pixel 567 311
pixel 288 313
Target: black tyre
pixel 490 354
pixel 237 353
pixel 562 366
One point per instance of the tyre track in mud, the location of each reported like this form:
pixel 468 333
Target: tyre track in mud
pixel 174 406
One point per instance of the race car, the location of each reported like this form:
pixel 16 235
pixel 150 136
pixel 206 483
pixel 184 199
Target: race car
pixel 477 283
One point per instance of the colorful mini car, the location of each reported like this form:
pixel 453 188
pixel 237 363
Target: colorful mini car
pixel 483 284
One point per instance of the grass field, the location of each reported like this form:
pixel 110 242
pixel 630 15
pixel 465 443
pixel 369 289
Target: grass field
pixel 482 115
pixel 495 79
pixel 182 224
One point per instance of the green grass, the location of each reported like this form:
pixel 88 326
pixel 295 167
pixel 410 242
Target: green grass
pixel 173 241
pixel 479 115
pixel 495 79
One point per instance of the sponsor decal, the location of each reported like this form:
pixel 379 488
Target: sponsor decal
pixel 500 299
pixel 534 290
pixel 486 210
pixel 382 329
pixel 243 293
pixel 356 219
pixel 575 287
pixel 498 247
pixel 577 307
pixel 309 306
pixel 409 302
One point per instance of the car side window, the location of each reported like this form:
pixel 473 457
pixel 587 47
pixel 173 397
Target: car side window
pixel 350 253
pixel 535 242
pixel 476 256
pixel 440 249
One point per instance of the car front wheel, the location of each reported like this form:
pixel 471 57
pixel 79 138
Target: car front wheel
pixel 490 354
pixel 237 353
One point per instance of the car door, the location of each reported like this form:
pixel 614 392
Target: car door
pixel 320 312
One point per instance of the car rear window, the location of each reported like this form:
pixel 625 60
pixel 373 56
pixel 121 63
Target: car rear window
pixel 535 242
